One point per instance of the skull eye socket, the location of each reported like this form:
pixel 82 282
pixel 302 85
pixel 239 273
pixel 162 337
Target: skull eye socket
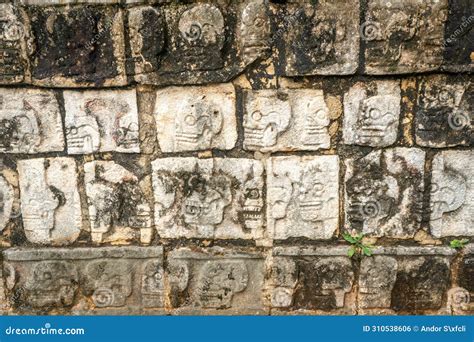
pixel 253 194
pixel 317 187
pixel 190 120
pixel 47 276
pixel 257 115
pixel 444 96
pixel 374 113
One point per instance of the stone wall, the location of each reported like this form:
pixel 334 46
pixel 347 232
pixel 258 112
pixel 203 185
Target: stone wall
pixel 198 157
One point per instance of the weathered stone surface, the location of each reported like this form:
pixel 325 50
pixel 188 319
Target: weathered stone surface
pixel 101 121
pixel 30 121
pixel 117 204
pixel 208 198
pixel 105 280
pixel 452 194
pixel 372 113
pixel 311 279
pixel 303 196
pixel 444 112
pixel 6 202
pixel 196 43
pixel 384 192
pixel 314 39
pixel 459 36
pixel 64 56
pixel 405 279
pixel 196 118
pixel 277 120
pixel 13 44
pixel 50 204
pixel 215 280
pixel 404 36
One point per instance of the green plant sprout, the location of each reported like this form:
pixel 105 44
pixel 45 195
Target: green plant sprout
pixel 358 248
pixel 458 244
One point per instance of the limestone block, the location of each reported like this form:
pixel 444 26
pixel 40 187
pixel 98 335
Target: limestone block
pixel 30 121
pixel 215 280
pixel 318 38
pixel 303 196
pixel 197 43
pixel 50 204
pixel 372 114
pixel 291 120
pixel 445 110
pixel 208 198
pixel 384 192
pixel 101 121
pixel 117 204
pixel 107 280
pixel 404 36
pixel 14 37
pixel 196 118
pixel 77 46
pixel 452 194
pixel 311 279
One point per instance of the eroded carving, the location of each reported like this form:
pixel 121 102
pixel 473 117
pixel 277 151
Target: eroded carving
pixel 404 36
pixel 153 285
pixel 52 283
pixel 444 112
pixel 30 121
pixel 215 279
pixel 196 118
pixel 50 204
pixel 303 196
pixel 101 121
pixel 384 192
pixel 371 116
pixel 219 198
pixel 317 40
pixel 376 281
pixel 13 38
pixel 452 190
pixel 255 31
pixel 116 202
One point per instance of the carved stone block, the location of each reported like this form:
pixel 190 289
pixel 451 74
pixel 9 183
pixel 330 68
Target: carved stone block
pixel 452 194
pixel 63 55
pixel 14 35
pixel 215 280
pixel 372 113
pixel 197 43
pixel 81 280
pixel 117 204
pixel 50 203
pixel 208 198
pixel 405 279
pixel 303 196
pixel 316 39
pixel 384 192
pixel 444 111
pixel 30 121
pixel 101 121
pixel 289 120
pixel 196 118
pixel 404 36
pixel 459 36
pixel 310 278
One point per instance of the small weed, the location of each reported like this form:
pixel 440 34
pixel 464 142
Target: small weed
pixel 358 249
pixel 458 244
